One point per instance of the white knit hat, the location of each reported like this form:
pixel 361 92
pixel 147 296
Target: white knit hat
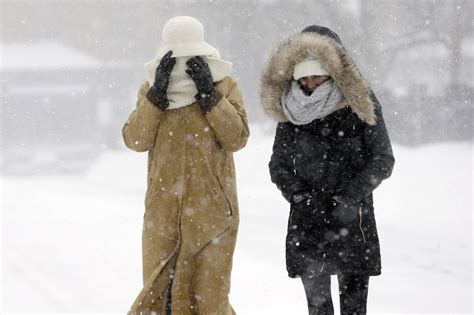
pixel 308 68
pixel 184 35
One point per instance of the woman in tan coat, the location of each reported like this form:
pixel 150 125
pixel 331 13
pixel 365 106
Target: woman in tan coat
pixel 190 117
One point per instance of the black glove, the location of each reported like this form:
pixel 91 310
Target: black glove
pixel 157 93
pixel 201 74
pixel 301 198
pixel 199 71
pixel 309 202
pixel 345 200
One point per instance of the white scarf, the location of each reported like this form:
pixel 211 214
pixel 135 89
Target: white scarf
pixel 181 88
pixel 302 109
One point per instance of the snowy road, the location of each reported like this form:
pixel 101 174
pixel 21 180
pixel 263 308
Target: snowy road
pixel 71 244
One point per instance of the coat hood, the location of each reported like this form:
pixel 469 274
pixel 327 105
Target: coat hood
pixel 328 49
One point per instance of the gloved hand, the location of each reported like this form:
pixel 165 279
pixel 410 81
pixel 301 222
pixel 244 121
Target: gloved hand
pixel 201 74
pixel 157 93
pixel 302 197
pixel 344 200
pixel 305 201
pixel 310 202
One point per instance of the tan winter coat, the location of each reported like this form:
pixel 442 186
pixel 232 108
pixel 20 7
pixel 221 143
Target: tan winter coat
pixel 191 211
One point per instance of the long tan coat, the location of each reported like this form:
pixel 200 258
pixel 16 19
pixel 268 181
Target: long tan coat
pixel 191 211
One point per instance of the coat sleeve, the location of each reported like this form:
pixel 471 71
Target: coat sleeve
pixel 139 132
pixel 379 165
pixel 281 163
pixel 229 120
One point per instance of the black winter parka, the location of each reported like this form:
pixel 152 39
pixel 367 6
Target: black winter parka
pixel 343 156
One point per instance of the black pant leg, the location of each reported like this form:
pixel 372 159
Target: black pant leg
pixel 353 291
pixel 318 294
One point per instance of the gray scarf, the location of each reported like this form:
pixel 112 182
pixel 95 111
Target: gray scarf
pixel 302 109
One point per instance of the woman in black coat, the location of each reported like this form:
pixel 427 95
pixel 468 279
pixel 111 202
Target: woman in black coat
pixel 331 151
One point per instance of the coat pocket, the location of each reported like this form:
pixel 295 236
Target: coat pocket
pixel 148 194
pixel 223 197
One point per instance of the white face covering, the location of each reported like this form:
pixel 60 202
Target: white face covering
pixel 181 89
pixel 302 109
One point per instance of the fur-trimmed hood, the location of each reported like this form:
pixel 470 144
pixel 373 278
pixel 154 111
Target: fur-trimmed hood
pixel 278 72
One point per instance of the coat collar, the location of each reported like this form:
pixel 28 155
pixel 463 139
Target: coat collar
pixel 278 72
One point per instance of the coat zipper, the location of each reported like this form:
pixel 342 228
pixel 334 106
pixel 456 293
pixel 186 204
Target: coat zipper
pixel 360 223
pixel 324 262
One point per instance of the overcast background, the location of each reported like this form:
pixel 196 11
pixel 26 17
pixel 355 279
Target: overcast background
pixel 70 71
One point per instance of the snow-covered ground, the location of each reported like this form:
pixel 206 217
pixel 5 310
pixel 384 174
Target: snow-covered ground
pixel 71 244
